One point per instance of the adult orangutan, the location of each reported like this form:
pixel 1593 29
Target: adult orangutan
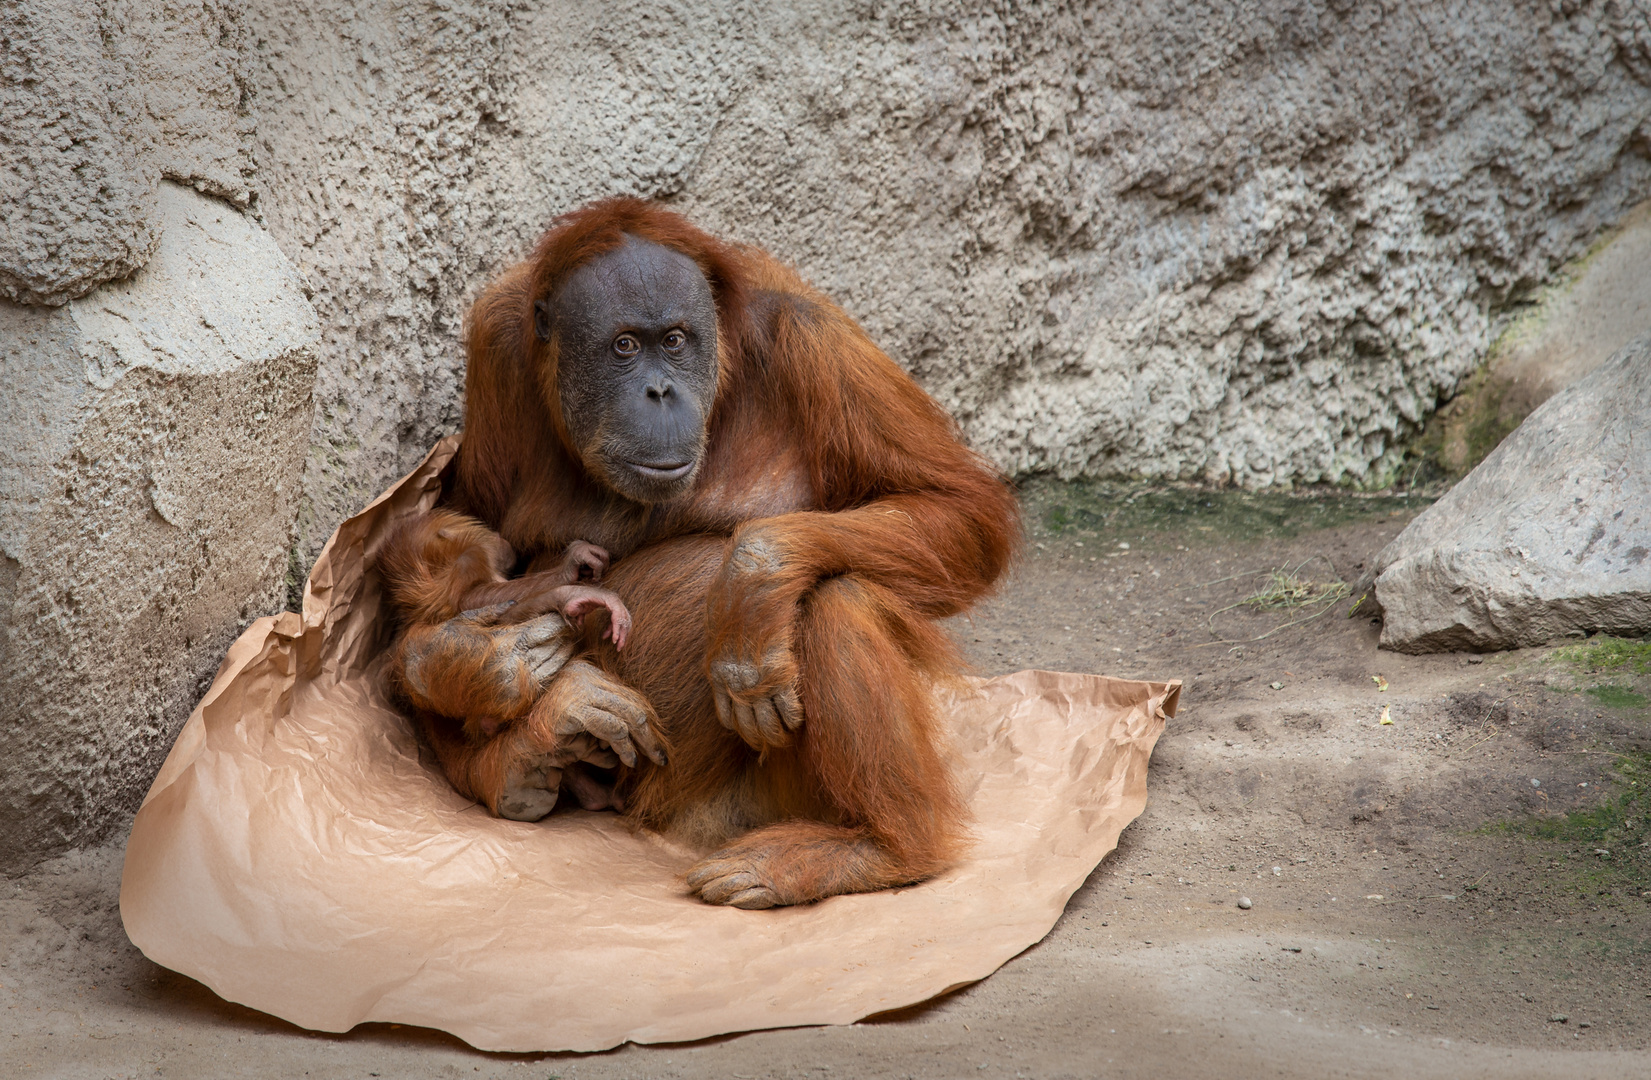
pixel 787 515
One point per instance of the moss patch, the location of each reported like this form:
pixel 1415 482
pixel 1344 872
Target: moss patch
pixel 1609 654
pixel 295 581
pixel 1464 431
pixel 1619 826
pixel 1613 696
pixel 1143 512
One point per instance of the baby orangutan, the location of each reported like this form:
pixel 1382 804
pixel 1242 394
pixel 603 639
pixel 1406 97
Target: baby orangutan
pixel 442 565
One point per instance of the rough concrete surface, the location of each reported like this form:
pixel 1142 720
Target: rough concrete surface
pixel 1438 931
pixel 151 445
pixel 1248 243
pixel 1577 323
pixel 1550 535
pixel 1593 307
pixel 99 100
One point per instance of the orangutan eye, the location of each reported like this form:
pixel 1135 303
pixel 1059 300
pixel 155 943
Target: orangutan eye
pixel 675 340
pixel 626 345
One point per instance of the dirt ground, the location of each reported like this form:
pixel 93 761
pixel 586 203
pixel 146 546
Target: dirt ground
pixel 1461 892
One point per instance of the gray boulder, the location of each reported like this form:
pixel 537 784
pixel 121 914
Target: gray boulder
pixel 1549 536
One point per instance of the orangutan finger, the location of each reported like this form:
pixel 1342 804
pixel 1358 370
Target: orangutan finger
pixel 746 723
pixel 790 709
pixel 642 732
pixel 619 623
pixel 768 723
pixel 725 709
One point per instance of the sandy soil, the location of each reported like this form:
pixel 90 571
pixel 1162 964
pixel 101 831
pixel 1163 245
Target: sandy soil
pixel 1405 921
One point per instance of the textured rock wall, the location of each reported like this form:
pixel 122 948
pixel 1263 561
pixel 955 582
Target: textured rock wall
pixel 152 440
pixel 1248 242
pixel 1240 242
pixel 1593 307
pixel 99 100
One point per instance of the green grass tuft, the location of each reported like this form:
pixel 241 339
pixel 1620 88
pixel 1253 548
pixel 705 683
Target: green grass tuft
pixel 1613 696
pixel 1619 825
pixel 1144 511
pixel 1609 654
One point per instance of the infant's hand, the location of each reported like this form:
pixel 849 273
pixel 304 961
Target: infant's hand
pixel 580 599
pixel 585 562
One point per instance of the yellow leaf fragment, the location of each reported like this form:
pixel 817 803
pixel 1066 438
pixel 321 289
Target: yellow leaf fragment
pixel 1386 719
pixel 1381 683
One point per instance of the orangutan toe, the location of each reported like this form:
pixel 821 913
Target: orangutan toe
pixel 735 881
pixel 530 790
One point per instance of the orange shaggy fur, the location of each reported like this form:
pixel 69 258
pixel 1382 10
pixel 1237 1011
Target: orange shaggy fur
pixel 823 457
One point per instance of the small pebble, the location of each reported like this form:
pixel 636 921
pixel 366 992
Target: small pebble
pixel 1244 903
pixel 1558 1018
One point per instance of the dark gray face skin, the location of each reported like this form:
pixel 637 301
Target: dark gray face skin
pixel 637 332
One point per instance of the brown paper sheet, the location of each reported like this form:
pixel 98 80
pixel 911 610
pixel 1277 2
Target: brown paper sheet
pixel 297 855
